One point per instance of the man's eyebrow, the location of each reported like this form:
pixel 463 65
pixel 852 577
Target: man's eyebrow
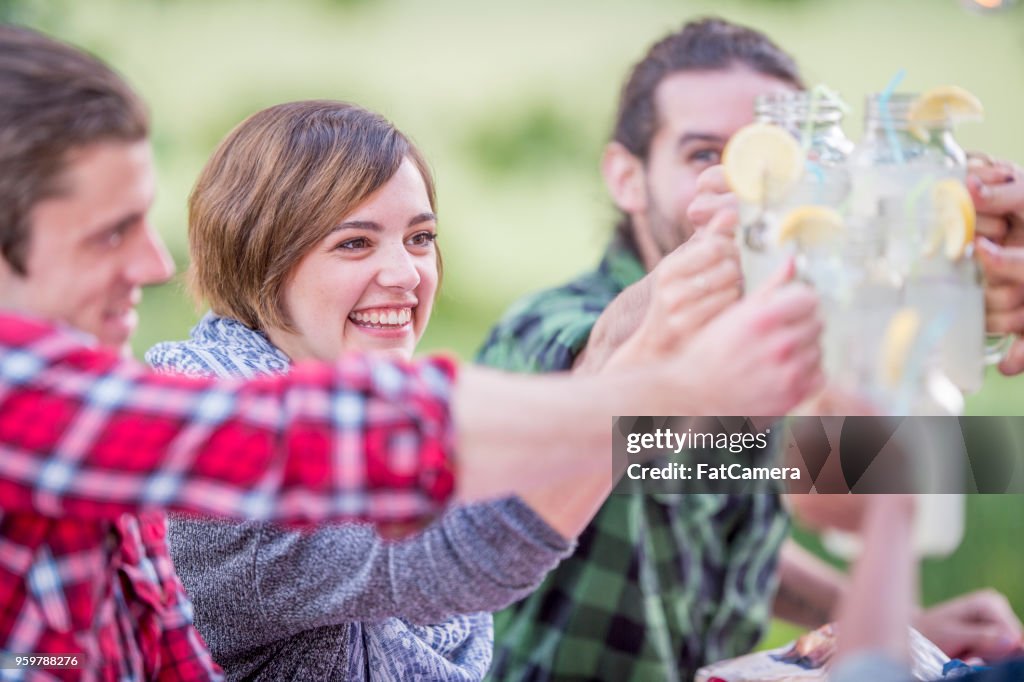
pixel 119 223
pixel 687 138
pixel 376 227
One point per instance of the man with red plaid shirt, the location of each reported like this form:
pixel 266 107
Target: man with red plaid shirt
pixel 94 449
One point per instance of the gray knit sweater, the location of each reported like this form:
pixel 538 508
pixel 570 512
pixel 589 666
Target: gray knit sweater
pixel 338 602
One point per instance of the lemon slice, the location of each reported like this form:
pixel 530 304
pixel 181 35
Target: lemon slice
pixel 762 162
pixel 896 344
pixel 810 225
pixel 947 103
pixel 954 223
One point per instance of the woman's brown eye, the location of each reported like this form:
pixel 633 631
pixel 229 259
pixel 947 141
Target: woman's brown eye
pixel 423 238
pixel 352 244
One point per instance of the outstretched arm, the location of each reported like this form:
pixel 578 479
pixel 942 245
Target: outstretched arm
pixel 477 558
pixel 876 611
pixel 86 433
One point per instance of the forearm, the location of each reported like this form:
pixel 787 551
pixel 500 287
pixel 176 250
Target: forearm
pixel 85 433
pixel 616 324
pixel 568 507
pixel 522 433
pixel 809 589
pixel 876 610
pixel 480 557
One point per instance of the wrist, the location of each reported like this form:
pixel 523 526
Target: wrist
pixel 890 509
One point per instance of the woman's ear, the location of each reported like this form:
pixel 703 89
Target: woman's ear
pixel 624 176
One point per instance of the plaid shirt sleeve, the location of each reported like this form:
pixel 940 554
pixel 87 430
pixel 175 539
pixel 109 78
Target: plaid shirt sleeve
pixel 545 332
pixel 85 433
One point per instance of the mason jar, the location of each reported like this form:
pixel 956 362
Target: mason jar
pixel 893 170
pixel 816 122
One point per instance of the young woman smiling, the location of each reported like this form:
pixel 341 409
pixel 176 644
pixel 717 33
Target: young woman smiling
pixel 312 233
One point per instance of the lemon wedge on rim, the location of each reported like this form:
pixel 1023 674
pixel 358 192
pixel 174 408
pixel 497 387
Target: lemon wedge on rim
pixel 896 343
pixel 954 219
pixel 942 105
pixel 762 162
pixel 810 225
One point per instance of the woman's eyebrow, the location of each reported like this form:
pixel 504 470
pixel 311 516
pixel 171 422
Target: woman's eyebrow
pixel 377 227
pixel 358 225
pixel 422 218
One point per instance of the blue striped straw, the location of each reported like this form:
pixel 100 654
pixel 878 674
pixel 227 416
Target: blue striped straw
pixel 819 93
pixel 883 106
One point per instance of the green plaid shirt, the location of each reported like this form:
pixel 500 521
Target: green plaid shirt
pixel 659 585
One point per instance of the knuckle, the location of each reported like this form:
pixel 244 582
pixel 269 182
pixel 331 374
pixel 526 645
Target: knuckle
pixel 783 350
pixel 761 322
pixel 1002 324
pixel 710 178
pixel 814 358
pixel 695 212
pixel 995 299
pixel 995 597
pixel 792 381
pixel 731 253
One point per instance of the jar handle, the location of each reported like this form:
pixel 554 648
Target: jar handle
pixel 997 346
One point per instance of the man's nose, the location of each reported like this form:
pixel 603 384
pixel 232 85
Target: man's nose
pixel 150 262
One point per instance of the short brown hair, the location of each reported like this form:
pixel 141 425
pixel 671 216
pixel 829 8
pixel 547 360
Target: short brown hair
pixel 274 188
pixel 55 99
pixel 708 44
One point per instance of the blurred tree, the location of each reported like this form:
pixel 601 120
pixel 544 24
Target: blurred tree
pixel 36 13
pixel 540 137
pixel 8 10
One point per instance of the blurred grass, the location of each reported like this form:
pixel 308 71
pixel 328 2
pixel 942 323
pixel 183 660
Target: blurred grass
pixel 512 103
pixel 988 556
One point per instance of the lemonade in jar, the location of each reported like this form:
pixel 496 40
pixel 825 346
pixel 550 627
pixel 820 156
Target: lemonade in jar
pixel 907 147
pixel 811 172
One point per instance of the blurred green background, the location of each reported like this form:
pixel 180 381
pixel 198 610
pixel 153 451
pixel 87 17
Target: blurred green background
pixel 512 103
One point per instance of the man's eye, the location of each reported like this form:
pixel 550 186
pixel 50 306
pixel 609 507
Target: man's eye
pixel 706 156
pixel 112 239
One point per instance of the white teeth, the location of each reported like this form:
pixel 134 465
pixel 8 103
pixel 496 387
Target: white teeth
pixel 383 318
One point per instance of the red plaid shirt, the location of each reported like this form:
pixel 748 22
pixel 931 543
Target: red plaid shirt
pixel 94 448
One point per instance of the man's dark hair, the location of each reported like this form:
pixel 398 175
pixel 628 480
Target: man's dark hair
pixel 54 99
pixel 708 44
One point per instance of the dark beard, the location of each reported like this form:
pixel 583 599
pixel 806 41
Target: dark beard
pixel 664 232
